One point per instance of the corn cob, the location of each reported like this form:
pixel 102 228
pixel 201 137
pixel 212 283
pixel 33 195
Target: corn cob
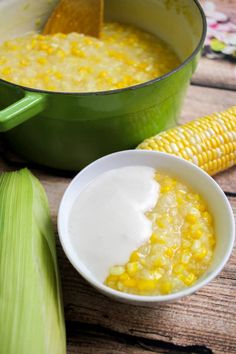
pixel 209 142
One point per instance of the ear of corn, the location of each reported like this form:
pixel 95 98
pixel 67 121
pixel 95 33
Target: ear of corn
pixel 31 314
pixel 209 142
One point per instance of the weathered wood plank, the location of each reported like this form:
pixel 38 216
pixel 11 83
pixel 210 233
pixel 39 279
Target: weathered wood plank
pixel 219 73
pixel 94 339
pixel 201 101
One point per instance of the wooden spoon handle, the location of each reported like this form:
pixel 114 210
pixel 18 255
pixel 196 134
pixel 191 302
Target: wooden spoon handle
pixel 83 16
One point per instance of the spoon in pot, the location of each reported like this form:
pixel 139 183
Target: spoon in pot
pixel 82 16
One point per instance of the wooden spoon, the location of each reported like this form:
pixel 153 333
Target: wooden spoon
pixel 83 16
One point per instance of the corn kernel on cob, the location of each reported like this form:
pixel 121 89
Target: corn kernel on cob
pixel 209 142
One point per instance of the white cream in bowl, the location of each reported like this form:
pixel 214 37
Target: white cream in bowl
pixel 107 220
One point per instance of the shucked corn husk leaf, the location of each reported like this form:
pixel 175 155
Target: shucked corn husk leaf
pixel 31 315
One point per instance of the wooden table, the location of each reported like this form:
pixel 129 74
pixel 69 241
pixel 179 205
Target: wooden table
pixel 202 323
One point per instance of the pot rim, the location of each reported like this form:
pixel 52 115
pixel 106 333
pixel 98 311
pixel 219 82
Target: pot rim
pixel 129 88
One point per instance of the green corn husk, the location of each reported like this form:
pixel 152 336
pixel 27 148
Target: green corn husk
pixel 31 312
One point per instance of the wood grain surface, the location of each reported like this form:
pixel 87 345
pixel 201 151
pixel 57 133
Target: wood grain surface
pixel 216 73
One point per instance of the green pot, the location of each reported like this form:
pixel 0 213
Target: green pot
pixel 69 130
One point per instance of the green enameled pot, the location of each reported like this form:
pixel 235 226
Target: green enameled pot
pixel 69 130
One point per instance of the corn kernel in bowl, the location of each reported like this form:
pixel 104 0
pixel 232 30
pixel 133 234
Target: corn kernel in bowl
pixel 180 249
pixel 124 56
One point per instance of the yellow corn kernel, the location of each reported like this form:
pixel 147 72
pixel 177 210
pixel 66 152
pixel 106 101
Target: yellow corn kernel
pixel 132 267
pixel 130 283
pixel 159 262
pixel 189 279
pixel 10 45
pixel 169 252
pixel 160 223
pixel 196 231
pixel 165 189
pixel 124 276
pixel 109 80
pixel 186 256
pixel 58 75
pixel 34 43
pixel 102 75
pixel 197 234
pixel 115 54
pixel 40 37
pixel 51 87
pixel 142 66
pixel 201 206
pixel 169 219
pixel 201 253
pixel 77 52
pixel 7 71
pixel 120 286
pixel 153 238
pixel 50 50
pixel 212 241
pixel 88 41
pixel 196 197
pixel 180 200
pixel 2 60
pixel 42 60
pixel 61 35
pixel 146 284
pixel 60 53
pixel 178 269
pixel 134 256
pixel 45 79
pixel 161 240
pixel 196 246
pixel 156 274
pixel 191 218
pixel 117 270
pixel 42 46
pixel 85 69
pixel 143 261
pixel 165 287
pixel 24 62
pixel 208 217
pixel 129 80
pixel 111 278
pixel 120 84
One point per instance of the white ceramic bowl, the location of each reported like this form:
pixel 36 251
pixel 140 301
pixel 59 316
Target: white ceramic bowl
pixel 200 181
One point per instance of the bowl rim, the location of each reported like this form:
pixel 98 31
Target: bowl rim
pixel 153 298
pixel 129 88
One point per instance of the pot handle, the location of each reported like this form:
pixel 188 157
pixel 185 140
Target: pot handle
pixel 22 110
